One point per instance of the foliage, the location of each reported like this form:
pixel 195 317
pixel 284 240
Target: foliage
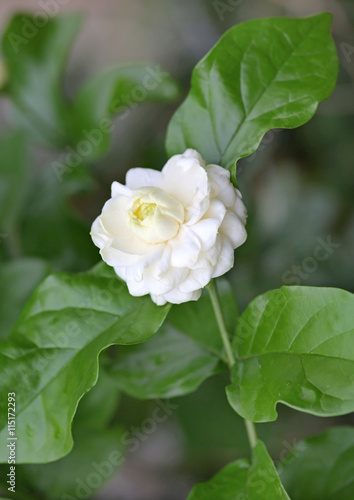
pixel 292 345
pixel 69 320
pixel 35 86
pixel 252 481
pixel 262 74
pixel 186 352
pixel 321 466
pixel 98 449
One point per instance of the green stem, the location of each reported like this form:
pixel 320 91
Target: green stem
pixel 251 433
pixel 250 427
pixel 221 322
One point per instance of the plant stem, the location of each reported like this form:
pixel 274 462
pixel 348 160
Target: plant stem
pixel 215 300
pixel 251 433
pixel 221 322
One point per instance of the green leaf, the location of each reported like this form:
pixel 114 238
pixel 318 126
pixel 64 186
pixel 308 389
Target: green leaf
pixel 98 406
pixel 262 74
pixel 18 279
pixel 321 467
pixel 35 57
pixel 171 364
pixel 95 457
pixel 197 319
pixel 205 440
pixel 117 90
pixel 243 480
pixel 47 213
pixel 187 350
pixel 50 359
pixel 13 176
pixel 294 345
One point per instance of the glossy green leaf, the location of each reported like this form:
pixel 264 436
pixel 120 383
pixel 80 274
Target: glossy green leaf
pixel 95 457
pixel 18 279
pixel 98 406
pixel 117 90
pixel 35 57
pixel 321 467
pixel 171 364
pixel 13 176
pixel 50 359
pixel 262 74
pixel 244 480
pixel 187 350
pixel 295 345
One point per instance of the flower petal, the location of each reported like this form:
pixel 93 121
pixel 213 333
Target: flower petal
pixel 221 187
pixel 116 258
pixel 137 288
pixel 187 180
pixel 216 211
pixel 196 280
pixel 225 259
pixel 158 285
pixel 206 230
pixel 118 189
pixel 186 247
pixel 234 229
pixel 113 217
pixel 98 233
pixel 176 297
pixel 143 177
pixel 239 208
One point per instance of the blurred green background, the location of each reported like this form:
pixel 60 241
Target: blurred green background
pixel 298 188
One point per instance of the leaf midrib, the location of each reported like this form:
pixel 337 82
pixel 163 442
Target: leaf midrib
pixel 274 353
pixel 246 116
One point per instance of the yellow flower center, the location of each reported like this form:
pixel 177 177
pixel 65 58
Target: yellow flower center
pixel 154 215
pixel 145 210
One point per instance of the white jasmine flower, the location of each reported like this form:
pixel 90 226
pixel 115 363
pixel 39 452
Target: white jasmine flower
pixel 169 233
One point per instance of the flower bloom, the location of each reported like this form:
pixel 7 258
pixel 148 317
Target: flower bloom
pixel 169 233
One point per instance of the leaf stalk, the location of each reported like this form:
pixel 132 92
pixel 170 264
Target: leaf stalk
pixel 220 319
